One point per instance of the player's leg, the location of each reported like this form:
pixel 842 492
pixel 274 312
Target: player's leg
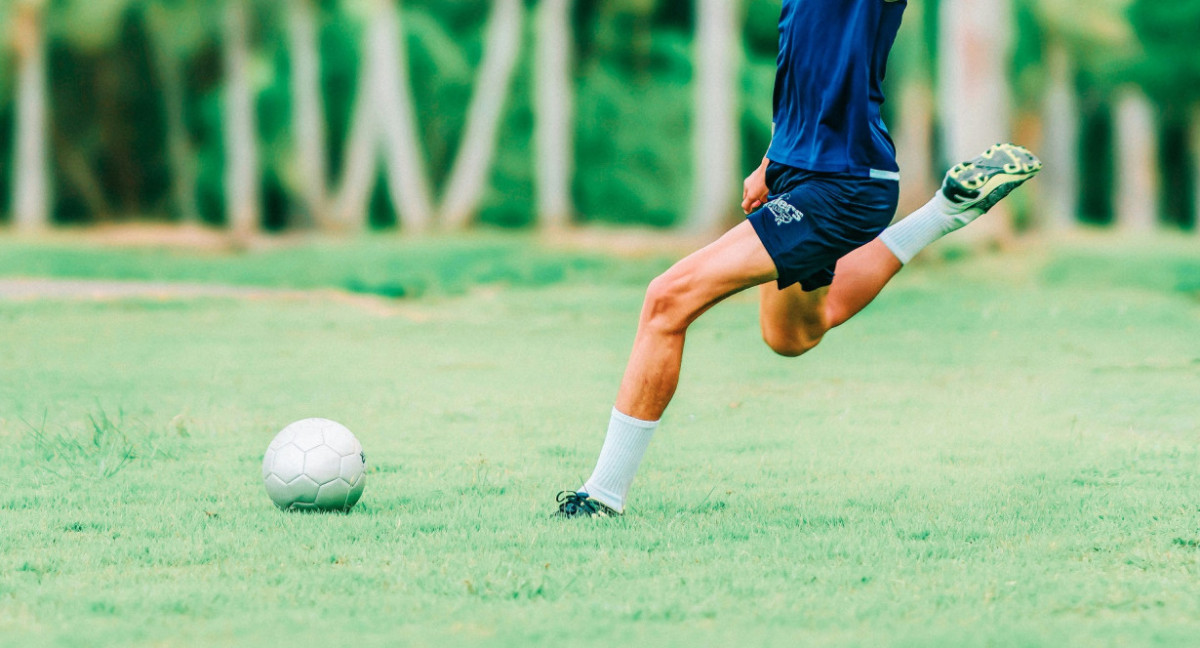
pixel 674 300
pixel 969 191
pixel 794 321
pixel 861 275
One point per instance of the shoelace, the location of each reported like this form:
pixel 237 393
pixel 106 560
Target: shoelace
pixel 570 502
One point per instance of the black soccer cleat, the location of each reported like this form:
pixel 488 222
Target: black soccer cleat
pixel 573 504
pixel 981 183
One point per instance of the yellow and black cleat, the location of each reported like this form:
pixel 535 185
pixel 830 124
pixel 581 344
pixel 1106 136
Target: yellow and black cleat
pixel 981 183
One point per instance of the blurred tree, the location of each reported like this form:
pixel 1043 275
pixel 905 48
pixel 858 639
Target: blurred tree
pixel 910 75
pixel 1090 38
pixel 242 170
pixel 31 177
pixel 716 135
pixel 1171 69
pixel 359 159
pixel 146 106
pixel 308 113
pixel 94 145
pixel 1059 186
pixel 383 121
pixel 1138 171
pixel 553 113
pixel 1194 146
pixel 635 111
pixel 470 173
pixel 974 101
pixel 1095 41
pixel 394 116
pixel 761 44
pixel 176 30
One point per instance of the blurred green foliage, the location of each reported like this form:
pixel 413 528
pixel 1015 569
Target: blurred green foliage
pixel 633 98
pixel 1170 66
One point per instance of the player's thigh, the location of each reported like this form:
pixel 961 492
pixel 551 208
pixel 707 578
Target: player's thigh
pixel 729 265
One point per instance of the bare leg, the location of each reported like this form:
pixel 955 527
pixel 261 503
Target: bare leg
pixel 674 300
pixel 859 277
pixel 794 321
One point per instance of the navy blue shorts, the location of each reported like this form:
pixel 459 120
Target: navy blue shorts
pixel 813 219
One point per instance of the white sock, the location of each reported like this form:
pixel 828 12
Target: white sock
pixel 936 219
pixel 623 449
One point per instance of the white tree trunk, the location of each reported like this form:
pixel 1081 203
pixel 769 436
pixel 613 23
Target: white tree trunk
pixel 395 118
pixel 241 130
pixel 974 102
pixel 1059 185
pixel 472 164
pixel 360 157
pixel 308 116
pixel 1194 147
pixel 553 108
pixel 31 177
pixel 179 148
pixel 1137 162
pixel 716 135
pixel 914 145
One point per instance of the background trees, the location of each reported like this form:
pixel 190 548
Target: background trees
pixel 1169 69
pixel 31 180
pixel 354 114
pixel 553 112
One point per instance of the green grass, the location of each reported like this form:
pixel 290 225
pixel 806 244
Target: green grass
pixel 1000 451
pixel 384 265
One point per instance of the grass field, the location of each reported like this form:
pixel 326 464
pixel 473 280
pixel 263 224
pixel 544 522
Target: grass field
pixel 1000 451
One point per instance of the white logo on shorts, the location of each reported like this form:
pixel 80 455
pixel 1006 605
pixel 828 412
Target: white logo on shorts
pixel 784 212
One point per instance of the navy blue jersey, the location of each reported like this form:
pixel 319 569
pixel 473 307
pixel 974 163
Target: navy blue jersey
pixel 829 86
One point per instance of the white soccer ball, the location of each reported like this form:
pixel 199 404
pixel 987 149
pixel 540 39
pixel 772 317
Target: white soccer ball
pixel 316 465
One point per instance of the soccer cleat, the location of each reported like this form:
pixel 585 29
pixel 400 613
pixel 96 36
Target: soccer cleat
pixel 981 183
pixel 572 505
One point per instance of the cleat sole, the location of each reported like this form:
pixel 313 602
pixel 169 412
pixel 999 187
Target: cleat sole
pixel 989 178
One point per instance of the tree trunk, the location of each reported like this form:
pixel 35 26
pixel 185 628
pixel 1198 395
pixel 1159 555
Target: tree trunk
pixel 31 174
pixel 1137 162
pixel 716 141
pixel 395 119
pixel 553 108
pixel 308 114
pixel 1194 147
pixel 241 131
pixel 359 165
pixel 914 146
pixel 1059 185
pixel 974 102
pixel 179 147
pixel 472 164
pixel 913 128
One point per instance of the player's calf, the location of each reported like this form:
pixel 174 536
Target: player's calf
pixel 793 321
pixel 790 341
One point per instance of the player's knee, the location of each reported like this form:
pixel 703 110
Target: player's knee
pixel 665 309
pixel 790 344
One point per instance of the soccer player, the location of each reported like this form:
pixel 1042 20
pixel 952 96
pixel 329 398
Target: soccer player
pixel 816 241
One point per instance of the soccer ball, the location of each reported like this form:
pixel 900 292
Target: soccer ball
pixel 316 465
